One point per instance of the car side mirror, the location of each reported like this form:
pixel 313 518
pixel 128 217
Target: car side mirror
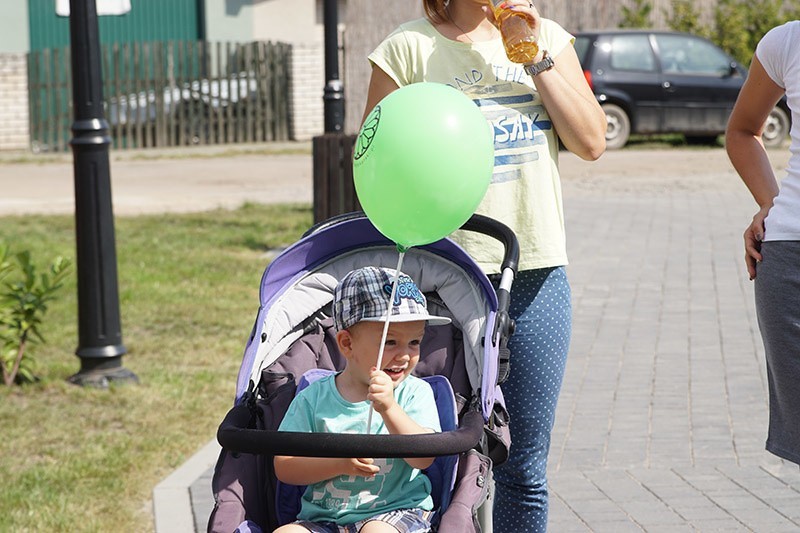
pixel 733 69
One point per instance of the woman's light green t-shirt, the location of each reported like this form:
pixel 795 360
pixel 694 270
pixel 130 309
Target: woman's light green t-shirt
pixel 525 192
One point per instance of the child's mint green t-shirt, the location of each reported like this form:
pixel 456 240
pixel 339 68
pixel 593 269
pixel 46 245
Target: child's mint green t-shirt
pixel 525 192
pixel 319 408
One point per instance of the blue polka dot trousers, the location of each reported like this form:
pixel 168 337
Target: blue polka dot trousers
pixel 540 304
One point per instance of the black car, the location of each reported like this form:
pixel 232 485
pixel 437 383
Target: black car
pixel 653 82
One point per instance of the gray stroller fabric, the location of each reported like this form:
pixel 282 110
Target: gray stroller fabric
pixel 311 297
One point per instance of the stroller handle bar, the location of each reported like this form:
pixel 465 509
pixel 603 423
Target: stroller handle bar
pixel 234 435
pixel 501 232
pixel 504 325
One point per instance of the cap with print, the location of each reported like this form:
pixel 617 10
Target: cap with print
pixel 363 295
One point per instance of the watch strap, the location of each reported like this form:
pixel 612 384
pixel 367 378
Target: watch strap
pixel 537 68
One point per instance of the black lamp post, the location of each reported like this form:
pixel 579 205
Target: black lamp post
pixel 100 347
pixel 334 192
pixel 333 95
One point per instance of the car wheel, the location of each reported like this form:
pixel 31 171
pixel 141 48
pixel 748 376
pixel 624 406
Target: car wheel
pixel 776 128
pixel 618 128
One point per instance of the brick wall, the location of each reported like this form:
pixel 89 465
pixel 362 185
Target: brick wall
pixel 306 108
pixel 13 102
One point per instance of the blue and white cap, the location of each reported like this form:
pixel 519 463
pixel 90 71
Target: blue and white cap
pixel 363 295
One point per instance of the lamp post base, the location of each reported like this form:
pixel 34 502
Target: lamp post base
pixel 100 373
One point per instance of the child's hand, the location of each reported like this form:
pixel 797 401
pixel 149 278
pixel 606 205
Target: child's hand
pixel 362 466
pixel 381 390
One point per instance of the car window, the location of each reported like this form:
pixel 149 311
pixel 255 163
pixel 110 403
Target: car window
pixel 632 52
pixel 681 54
pixel 582 48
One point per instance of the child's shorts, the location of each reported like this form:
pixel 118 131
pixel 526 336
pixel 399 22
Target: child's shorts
pixel 404 520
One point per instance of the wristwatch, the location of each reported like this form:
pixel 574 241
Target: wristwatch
pixel 537 68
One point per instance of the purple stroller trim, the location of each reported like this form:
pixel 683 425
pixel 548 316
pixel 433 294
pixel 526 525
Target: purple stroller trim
pixel 319 247
pixel 335 240
pixel 489 376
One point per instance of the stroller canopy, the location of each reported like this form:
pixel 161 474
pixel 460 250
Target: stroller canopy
pixel 298 285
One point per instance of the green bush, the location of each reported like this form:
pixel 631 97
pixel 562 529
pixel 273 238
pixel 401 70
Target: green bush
pixel 638 16
pixel 738 25
pixel 685 17
pixel 24 295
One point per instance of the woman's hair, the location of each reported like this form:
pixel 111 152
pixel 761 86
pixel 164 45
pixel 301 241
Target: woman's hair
pixel 436 10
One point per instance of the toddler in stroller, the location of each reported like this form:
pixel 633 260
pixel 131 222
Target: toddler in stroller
pixel 392 496
pixel 294 334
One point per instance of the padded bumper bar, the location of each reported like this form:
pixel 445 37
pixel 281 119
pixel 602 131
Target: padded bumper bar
pixel 234 435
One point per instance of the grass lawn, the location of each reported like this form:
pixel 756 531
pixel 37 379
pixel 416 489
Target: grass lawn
pixel 82 459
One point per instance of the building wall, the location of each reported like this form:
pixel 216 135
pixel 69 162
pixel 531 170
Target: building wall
pixel 296 21
pixel 229 20
pixel 293 21
pixel 301 24
pixel 307 88
pixel 368 23
pixel 13 101
pixel 14 41
pixel 14 27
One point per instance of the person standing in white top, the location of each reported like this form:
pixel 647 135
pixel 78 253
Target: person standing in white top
pixel 772 240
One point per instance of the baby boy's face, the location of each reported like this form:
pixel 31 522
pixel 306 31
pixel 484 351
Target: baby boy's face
pixel 400 354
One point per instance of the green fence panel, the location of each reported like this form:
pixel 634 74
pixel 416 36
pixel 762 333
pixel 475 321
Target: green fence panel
pixel 163 94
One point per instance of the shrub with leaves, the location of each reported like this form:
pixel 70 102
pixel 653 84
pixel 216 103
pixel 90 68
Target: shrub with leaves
pixel 24 296
pixel 685 17
pixel 637 16
pixel 738 25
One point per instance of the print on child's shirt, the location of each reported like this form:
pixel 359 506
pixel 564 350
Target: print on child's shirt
pixel 355 492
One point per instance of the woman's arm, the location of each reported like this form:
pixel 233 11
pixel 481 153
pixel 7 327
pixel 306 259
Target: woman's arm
pixel 579 120
pixel 758 96
pixel 380 85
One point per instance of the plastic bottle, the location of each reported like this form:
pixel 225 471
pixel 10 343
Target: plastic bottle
pixel 518 36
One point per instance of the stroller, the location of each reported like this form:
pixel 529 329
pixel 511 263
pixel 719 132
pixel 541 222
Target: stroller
pixel 293 343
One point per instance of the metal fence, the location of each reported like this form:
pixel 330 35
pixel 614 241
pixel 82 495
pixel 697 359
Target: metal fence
pixel 164 94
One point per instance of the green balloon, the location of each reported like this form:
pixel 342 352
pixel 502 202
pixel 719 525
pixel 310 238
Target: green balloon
pixel 422 163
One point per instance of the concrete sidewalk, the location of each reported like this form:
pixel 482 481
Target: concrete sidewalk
pixel 663 412
pixel 142 182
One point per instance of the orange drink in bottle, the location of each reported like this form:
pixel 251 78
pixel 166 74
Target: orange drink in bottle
pixel 518 36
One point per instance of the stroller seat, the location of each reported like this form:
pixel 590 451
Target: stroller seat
pixel 293 341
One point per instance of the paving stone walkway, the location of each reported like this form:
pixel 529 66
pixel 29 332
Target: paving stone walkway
pixel 663 413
